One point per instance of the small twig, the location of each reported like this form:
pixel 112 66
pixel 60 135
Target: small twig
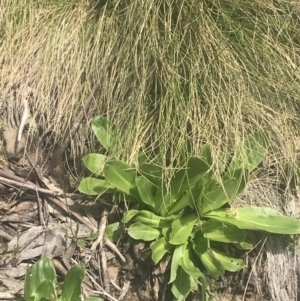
pixel 124 291
pixel 8 174
pixel 5 235
pixel 252 269
pixel 32 186
pixel 102 228
pixel 25 115
pixel 13 180
pixel 103 292
pixel 51 196
pixel 46 210
pixel 105 275
pixel 115 285
pixel 100 241
pixel 110 245
pixel 90 217
pixel 114 249
pixel 40 209
pixel 62 205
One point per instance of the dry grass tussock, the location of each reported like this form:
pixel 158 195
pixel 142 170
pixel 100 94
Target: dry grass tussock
pixel 174 71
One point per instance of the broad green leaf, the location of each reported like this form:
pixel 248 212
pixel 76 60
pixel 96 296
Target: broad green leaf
pixel 159 248
pixel 194 284
pixel 191 196
pixel 143 158
pixel 203 251
pixel 81 243
pixel 229 263
pixel 198 228
pixel 122 176
pixel 205 154
pixel 227 235
pixel 248 219
pixel 93 186
pixel 181 286
pixel 150 219
pixel 217 231
pixel 218 195
pixel 176 260
pixel 245 245
pixel 128 215
pixel 251 152
pixel 113 231
pixel 242 177
pixel 166 232
pixel 71 288
pixel 41 271
pixel 212 264
pixel 104 132
pixel 93 236
pixel 200 243
pixel 187 263
pixel 204 288
pixel 210 225
pixel 182 229
pixel 186 177
pixel 152 172
pixel 146 191
pixel 262 211
pixel 95 163
pixel 45 290
pixel 143 232
pixel 163 199
pixel 185 201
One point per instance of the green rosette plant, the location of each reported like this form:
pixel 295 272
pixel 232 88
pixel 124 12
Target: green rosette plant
pixel 193 215
pixel 41 283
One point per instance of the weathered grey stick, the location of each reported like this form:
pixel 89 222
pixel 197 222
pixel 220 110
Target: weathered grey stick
pixel 52 196
pixel 28 186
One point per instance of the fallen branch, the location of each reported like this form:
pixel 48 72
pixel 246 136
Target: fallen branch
pixel 8 174
pixel 24 185
pixel 51 196
pixel 124 290
pixel 102 228
pixel 114 249
pixel 12 180
pixel 5 235
pixel 66 208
